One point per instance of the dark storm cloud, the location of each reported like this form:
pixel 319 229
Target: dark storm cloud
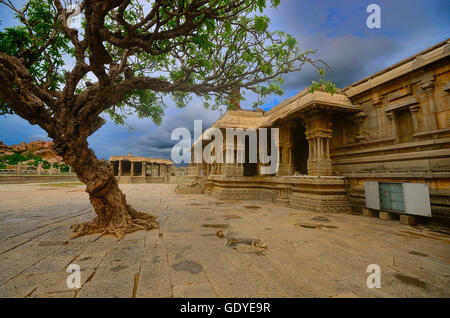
pixel 151 141
pixel 350 58
pixel 338 31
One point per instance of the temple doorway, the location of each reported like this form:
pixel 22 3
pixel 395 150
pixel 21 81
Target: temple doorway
pixel 126 168
pixel 250 169
pixel 115 165
pixel 300 149
pixel 138 168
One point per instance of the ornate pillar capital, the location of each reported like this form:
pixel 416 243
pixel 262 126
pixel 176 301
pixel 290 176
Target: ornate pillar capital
pixel 359 118
pixel 319 133
pixel 377 102
pixel 390 114
pixel 428 84
pixel 414 108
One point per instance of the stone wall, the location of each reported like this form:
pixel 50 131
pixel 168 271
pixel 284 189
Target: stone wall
pixel 142 179
pixel 402 135
pixel 323 194
pixel 36 179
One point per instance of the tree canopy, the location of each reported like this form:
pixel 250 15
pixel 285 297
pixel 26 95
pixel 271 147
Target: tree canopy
pixel 129 55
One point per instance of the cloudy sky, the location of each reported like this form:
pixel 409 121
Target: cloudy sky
pixel 336 29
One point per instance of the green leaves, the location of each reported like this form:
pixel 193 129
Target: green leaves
pixel 261 5
pixel 202 41
pixel 210 25
pixel 261 23
pixel 291 42
pixel 40 43
pixel 145 103
pixel 327 86
pixel 14 40
pixel 172 49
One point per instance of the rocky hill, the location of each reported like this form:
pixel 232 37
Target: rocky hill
pixel 39 148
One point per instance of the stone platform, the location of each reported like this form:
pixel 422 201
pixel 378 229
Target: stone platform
pixel 315 193
pixel 268 250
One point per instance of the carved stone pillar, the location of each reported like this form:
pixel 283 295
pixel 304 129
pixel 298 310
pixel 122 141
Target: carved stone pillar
pixel 237 152
pixel 285 167
pixel 319 134
pixel 377 102
pixel 229 167
pixel 143 169
pixel 120 169
pixel 238 165
pixel 414 109
pixel 392 118
pixel 288 156
pixel 359 119
pixel 428 86
pixel 132 168
pixel 288 142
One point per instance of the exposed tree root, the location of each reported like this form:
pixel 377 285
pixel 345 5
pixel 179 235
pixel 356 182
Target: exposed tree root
pixel 131 222
pixel 114 215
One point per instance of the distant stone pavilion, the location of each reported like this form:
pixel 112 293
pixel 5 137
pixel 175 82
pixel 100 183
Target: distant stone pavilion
pixel 133 169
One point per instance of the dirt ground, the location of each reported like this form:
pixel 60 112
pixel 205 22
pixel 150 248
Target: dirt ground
pixel 211 248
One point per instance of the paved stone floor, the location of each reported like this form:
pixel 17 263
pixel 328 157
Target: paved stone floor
pixel 268 250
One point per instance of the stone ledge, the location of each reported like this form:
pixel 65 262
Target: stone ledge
pixel 314 196
pixel 338 152
pixel 426 154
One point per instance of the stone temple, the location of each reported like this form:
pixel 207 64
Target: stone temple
pixel 392 127
pixel 133 169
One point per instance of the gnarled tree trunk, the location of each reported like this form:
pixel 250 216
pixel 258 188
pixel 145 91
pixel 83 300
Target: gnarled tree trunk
pixel 114 215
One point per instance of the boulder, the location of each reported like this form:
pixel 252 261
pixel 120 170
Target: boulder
pixel 4 148
pixel 191 185
pixel 43 149
pixel 39 145
pixel 47 154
